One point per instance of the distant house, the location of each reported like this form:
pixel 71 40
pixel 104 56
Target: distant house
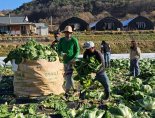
pixel 107 23
pixel 41 29
pixel 76 23
pixel 138 23
pixel 15 25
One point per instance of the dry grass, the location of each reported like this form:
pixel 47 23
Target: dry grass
pixel 119 41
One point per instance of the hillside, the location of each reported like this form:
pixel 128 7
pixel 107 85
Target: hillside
pixel 89 10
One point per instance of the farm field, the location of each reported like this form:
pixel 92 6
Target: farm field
pixel 130 97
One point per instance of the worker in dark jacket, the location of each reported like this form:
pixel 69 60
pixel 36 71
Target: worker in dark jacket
pixel 54 44
pixel 100 75
pixel 106 51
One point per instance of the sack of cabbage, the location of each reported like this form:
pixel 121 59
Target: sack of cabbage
pixel 39 70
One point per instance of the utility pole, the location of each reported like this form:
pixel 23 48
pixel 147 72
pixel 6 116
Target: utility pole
pixel 10 23
pixel 51 23
pixel 9 19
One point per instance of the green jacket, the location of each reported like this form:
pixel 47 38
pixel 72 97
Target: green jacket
pixel 70 47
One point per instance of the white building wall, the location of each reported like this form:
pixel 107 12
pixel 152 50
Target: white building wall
pixel 42 31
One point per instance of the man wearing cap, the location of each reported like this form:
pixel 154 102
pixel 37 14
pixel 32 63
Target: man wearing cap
pixel 100 75
pixel 54 44
pixel 68 47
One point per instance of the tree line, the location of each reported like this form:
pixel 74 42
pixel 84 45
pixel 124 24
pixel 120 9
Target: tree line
pixel 63 9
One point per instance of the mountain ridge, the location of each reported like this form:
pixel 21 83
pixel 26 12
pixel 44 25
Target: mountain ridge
pixel 89 10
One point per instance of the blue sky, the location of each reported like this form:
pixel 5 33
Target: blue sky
pixel 11 4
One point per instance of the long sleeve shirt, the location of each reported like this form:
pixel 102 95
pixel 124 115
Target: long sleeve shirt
pixel 98 56
pixel 135 53
pixel 69 47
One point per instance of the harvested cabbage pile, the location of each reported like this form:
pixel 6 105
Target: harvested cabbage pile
pixel 31 50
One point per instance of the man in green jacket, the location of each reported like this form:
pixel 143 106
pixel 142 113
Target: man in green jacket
pixel 68 47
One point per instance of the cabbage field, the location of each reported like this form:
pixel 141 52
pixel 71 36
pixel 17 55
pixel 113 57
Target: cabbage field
pixel 131 97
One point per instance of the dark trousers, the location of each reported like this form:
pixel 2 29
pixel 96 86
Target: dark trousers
pixel 68 76
pixel 104 80
pixel 134 67
pixel 107 59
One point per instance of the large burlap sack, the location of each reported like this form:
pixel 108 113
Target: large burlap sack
pixel 37 78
